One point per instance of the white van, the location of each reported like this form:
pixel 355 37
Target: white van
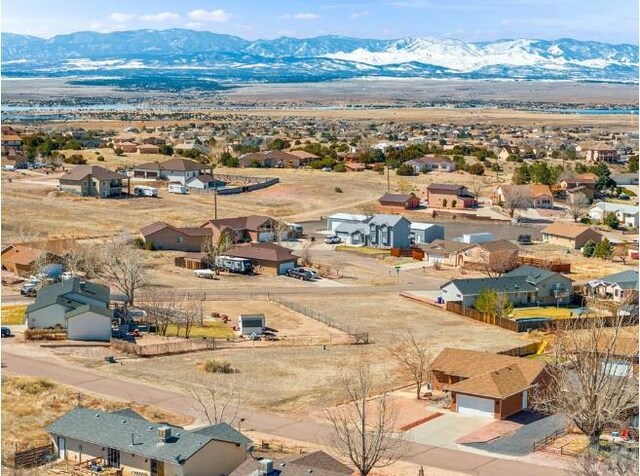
pixel 204 273
pixel 144 191
pixel 177 188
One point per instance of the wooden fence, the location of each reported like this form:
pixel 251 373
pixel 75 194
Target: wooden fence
pixel 481 316
pixel 165 348
pixel 551 265
pixel 546 441
pixel 415 253
pixel 30 458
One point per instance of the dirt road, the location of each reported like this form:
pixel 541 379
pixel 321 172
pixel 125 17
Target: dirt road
pixel 301 429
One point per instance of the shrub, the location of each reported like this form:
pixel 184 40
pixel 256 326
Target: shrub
pixel 444 203
pixel 611 220
pixel 149 246
pixel 588 248
pixel 454 203
pixel 405 170
pixel 215 366
pixel 138 243
pixel 118 151
pixel 34 387
pixel 337 190
pixel 75 159
pixel 585 220
pixel 340 168
pixel 476 169
pixel 100 158
pixel 378 168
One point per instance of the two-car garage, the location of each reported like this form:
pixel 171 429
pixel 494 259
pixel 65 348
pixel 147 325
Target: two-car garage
pixel 475 406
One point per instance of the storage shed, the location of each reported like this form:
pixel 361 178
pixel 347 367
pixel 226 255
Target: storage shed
pixel 249 324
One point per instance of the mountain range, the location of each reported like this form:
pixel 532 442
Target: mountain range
pixel 215 57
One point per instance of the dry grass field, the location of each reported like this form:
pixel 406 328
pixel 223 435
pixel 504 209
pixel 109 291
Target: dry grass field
pixel 12 315
pixel 30 404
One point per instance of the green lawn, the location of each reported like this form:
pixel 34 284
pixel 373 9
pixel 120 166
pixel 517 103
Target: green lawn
pixel 544 311
pixel 210 329
pixel 12 315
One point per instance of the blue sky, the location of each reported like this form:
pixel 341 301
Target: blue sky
pixel 614 21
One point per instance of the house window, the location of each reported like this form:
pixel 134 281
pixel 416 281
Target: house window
pixel 179 239
pixel 113 458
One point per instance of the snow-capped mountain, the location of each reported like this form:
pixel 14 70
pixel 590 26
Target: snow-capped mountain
pixel 226 57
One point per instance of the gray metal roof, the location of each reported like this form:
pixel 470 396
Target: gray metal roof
pixel 139 436
pixel 49 295
pixel 89 308
pixel 503 284
pixel 388 220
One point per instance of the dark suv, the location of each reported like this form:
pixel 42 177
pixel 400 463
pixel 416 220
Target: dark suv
pixel 299 274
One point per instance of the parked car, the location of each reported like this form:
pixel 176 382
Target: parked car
pixel 6 332
pixel 204 273
pixel 326 169
pixel 299 274
pixel 314 274
pixel 332 239
pixel 29 289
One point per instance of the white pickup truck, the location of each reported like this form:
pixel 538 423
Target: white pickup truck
pixel 204 273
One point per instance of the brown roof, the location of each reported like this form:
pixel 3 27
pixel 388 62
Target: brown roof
pixel 262 251
pixel 398 198
pixel 498 245
pixel 21 254
pixel 160 225
pixel 534 190
pixel 251 222
pixel 148 147
pixel 354 165
pixel 567 230
pixel 443 187
pixel 303 154
pixel 148 166
pixel 317 463
pixel 446 245
pixel 487 374
pixel 182 165
pixel 79 172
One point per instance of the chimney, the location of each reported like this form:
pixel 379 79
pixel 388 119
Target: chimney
pixel 164 434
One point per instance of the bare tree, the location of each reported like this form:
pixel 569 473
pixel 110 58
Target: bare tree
pixel 212 250
pixel 160 307
pixel 75 257
pixel 497 263
pixel 305 255
pixel 122 266
pixel 219 399
pixel 413 356
pixel 190 312
pixel 362 430
pixel 338 265
pixel 280 228
pixel 590 380
pixel 476 190
pixel 578 204
pixel 516 197
pixel 616 464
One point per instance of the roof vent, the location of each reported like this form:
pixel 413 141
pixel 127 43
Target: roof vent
pixel 164 433
pixel 97 415
pixel 265 467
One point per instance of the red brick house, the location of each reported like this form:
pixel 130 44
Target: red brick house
pixel 398 200
pixel 444 195
pixel 243 229
pixel 485 384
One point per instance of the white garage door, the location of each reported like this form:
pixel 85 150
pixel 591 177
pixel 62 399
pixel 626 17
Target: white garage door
pixel 335 224
pixel 476 406
pixel 285 266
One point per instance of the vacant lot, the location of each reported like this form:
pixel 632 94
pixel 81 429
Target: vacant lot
pixel 12 315
pixel 30 404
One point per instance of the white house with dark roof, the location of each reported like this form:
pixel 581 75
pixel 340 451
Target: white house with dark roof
pixel 126 441
pixel 615 286
pixel 517 288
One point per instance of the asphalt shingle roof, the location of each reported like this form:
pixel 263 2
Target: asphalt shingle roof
pixel 503 284
pixel 625 279
pixel 118 431
pixel 388 220
pixel 534 275
pixel 79 172
pixel 49 295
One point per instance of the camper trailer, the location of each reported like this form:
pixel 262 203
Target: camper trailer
pixel 178 188
pixel 144 191
pixel 234 265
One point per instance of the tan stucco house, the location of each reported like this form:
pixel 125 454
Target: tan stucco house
pixel 92 181
pixel 570 235
pixel 124 440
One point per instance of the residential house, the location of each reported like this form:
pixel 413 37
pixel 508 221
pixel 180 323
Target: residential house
pixel 425 232
pixel 506 151
pixel 173 170
pixel 78 306
pixel 304 156
pixel 488 385
pixel 629 178
pixel 615 287
pixel 492 256
pixel 258 228
pixel 352 234
pixel 333 221
pixel 22 259
pixel 587 186
pixel 163 236
pixel 127 441
pixel 450 253
pixel 627 215
pixel 552 288
pixel 354 166
pixel 602 153
pixel 205 182
pixel 431 163
pixel 389 231
pixel 569 235
pixel 11 147
pixel 191 145
pixel 400 200
pixel 148 149
pixel 267 258
pixel 270 158
pixel 518 289
pixel 127 147
pixel 441 195
pixel 92 181
pixel 317 463
pixel 536 195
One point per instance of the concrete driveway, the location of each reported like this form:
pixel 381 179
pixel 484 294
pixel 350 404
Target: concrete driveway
pixel 446 429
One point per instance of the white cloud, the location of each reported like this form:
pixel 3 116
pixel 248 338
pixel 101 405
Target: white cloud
pixel 119 17
pixel 360 14
pixel 162 17
pixel 194 25
pixel 300 16
pixel 201 15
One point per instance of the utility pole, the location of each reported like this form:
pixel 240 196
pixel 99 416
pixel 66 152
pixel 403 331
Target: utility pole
pixel 215 201
pixel 388 179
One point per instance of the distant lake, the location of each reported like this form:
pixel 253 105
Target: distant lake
pixel 587 111
pixel 92 107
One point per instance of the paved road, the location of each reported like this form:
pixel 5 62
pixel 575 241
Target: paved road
pixel 300 429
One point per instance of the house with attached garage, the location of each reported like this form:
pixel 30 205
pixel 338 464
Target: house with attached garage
pixel 517 288
pixel 258 228
pixel 389 231
pixel 425 232
pixel 615 287
pixel 338 218
pixel 163 236
pixel 446 195
pixel 268 258
pixel 76 305
pixel 570 235
pixel 494 257
pixel 352 234
pixel 317 463
pixel 173 170
pixel 130 444
pixel 92 181
pixel 487 385
pixel 450 253
pixel 627 215
pixel 626 178
pixel 552 288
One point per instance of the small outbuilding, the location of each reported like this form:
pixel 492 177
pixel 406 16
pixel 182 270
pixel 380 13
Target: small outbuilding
pixel 249 324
